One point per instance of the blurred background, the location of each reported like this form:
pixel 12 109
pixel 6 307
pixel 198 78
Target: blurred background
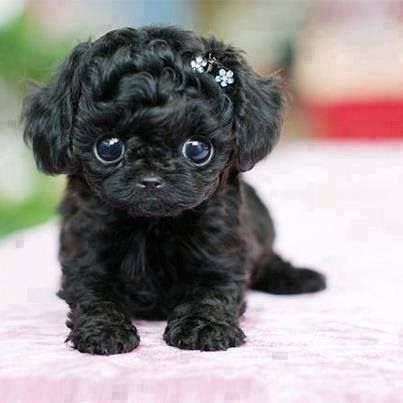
pixel 343 60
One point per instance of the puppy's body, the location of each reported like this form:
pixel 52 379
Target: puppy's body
pixel 154 234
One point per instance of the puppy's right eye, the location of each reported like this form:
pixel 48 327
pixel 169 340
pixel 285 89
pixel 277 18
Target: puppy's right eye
pixel 109 150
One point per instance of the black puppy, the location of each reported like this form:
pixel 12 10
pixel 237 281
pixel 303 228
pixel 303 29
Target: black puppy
pixel 153 127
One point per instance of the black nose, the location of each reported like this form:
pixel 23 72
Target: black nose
pixel 150 182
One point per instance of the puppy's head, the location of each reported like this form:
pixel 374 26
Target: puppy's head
pixel 150 131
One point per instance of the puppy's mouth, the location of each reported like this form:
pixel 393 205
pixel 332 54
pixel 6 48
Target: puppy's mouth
pixel 153 206
pixel 171 201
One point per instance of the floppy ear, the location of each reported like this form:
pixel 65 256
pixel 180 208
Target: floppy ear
pixel 257 101
pixel 48 116
pixel 258 117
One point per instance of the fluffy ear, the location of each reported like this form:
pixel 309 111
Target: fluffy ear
pixel 48 116
pixel 258 117
pixel 257 101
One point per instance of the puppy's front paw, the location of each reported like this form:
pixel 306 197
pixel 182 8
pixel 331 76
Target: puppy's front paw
pixel 103 338
pixel 195 333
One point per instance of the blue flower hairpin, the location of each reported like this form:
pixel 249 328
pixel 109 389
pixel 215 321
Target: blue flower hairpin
pixel 202 64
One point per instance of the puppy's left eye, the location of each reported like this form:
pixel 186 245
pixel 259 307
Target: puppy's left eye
pixel 109 150
pixel 198 150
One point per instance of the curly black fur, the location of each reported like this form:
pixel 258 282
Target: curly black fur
pixel 187 251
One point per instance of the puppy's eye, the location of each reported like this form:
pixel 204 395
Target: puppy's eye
pixel 109 150
pixel 198 150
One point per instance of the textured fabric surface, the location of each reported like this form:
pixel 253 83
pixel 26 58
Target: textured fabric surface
pixel 338 208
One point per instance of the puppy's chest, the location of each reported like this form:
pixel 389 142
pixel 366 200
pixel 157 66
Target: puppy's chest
pixel 152 265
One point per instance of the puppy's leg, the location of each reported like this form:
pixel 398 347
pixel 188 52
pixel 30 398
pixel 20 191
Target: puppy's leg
pixel 281 277
pixel 98 321
pixel 207 320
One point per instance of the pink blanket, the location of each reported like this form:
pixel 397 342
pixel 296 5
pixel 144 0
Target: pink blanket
pixel 337 208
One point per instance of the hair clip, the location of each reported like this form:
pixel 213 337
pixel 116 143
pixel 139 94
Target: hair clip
pixel 199 63
pixel 225 77
pixel 202 64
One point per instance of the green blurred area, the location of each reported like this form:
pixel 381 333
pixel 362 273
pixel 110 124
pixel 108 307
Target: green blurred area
pixel 40 206
pixel 37 208
pixel 26 54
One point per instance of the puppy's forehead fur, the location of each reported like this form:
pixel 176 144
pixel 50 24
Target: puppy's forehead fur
pixel 149 68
